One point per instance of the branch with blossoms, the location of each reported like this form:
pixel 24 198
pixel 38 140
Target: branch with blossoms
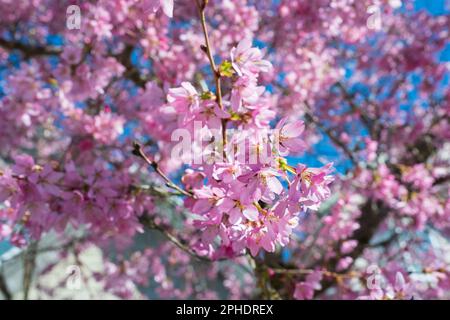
pixel 202 4
pixel 264 213
pixel 214 186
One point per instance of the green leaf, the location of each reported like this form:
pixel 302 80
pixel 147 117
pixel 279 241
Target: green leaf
pixel 207 95
pixel 226 69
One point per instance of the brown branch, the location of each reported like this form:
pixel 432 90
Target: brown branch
pixel 373 214
pixel 201 5
pixel 4 288
pixel 29 266
pixel 441 180
pixel 326 273
pixel 364 117
pixel 312 118
pixel 139 152
pixel 28 50
pixel 131 72
pixel 150 223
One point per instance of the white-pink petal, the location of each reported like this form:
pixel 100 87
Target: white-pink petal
pixel 167 7
pixel 274 184
pixel 251 213
pixel 293 130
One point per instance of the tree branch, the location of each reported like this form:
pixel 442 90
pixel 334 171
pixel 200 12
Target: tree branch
pixel 4 288
pixel 30 51
pixel 150 223
pixel 208 50
pixel 364 117
pixel 29 265
pixel 137 151
pixel 27 50
pixel 131 72
pixel 312 118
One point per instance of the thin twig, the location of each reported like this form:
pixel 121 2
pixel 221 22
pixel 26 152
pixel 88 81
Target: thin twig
pixel 150 223
pixel 131 72
pixel 4 288
pixel 364 117
pixel 201 5
pixel 28 50
pixel 139 152
pixel 311 117
pixel 351 274
pixel 29 266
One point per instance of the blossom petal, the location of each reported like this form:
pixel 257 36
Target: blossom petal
pixel 251 213
pixel 167 7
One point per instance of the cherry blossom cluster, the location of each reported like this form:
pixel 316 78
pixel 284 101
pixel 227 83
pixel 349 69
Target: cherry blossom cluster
pixel 244 203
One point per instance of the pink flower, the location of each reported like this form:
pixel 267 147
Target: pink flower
pixel 23 165
pixel 46 180
pixel 72 54
pixel 208 113
pixel 193 180
pixel 152 96
pixel 8 185
pixel 289 135
pixel 344 263
pixel 5 231
pixel 245 92
pixel 17 239
pixel 371 149
pixel 311 186
pixel 207 197
pixel 419 176
pixel 236 210
pixel 247 60
pixel 167 6
pixel 105 127
pixel 100 23
pixel 305 290
pixel 260 183
pixel 348 246
pixel 226 173
pixel 401 290
pixel 183 98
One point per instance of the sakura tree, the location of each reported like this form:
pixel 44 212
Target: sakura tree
pixel 272 149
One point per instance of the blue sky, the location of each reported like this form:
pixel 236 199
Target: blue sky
pixel 434 6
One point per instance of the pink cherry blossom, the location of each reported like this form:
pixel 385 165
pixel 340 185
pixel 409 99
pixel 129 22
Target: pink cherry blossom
pixel 248 60
pixel 289 135
pixel 184 97
pixel 305 290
